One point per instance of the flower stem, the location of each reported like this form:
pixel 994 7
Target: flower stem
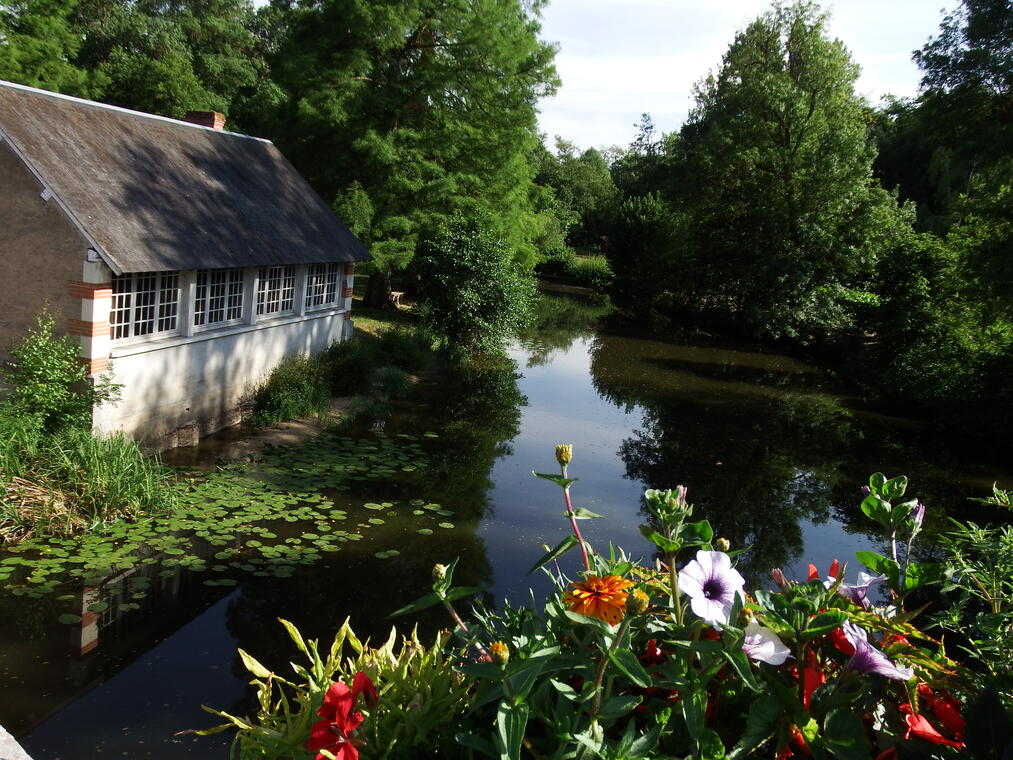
pixel 573 522
pixel 463 627
pixel 600 675
pixel 673 579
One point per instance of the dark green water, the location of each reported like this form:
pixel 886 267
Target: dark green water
pixel 772 450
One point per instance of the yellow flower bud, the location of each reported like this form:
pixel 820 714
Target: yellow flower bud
pixel 439 572
pixel 722 544
pixel 636 602
pixel 564 453
pixel 499 652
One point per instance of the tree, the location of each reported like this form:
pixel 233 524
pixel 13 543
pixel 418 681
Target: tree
pixel 474 291
pixel 417 111
pixel 168 58
pixel 967 79
pixel 784 215
pixel 38 47
pixel 584 192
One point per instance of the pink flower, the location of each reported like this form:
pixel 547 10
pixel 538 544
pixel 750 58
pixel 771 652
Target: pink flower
pixel 764 645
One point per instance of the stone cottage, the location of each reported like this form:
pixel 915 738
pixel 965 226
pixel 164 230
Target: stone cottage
pixel 189 258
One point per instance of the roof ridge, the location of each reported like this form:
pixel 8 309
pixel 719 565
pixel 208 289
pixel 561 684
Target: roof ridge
pixel 107 106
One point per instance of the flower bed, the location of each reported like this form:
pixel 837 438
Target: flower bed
pixel 673 659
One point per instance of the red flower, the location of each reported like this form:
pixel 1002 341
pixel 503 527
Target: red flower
pixel 653 655
pixel 835 570
pixel 812 677
pixel 336 732
pixel 919 726
pixel 840 641
pixel 945 708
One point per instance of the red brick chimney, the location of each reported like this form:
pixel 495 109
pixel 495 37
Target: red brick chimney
pixel 211 119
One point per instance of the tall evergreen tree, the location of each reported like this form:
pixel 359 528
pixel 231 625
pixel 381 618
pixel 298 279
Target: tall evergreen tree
pixel 785 213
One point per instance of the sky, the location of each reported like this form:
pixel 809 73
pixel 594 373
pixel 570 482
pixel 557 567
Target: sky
pixel 620 58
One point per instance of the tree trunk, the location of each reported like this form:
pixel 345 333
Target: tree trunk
pixel 378 292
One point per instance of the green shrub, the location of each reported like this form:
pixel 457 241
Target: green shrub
pixel 593 271
pixel 404 348
pixel 392 382
pixel 47 380
pixel 297 387
pixel 348 366
pixel 474 292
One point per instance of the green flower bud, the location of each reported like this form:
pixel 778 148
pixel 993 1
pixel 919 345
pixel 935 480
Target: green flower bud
pixel 500 653
pixel 722 544
pixel 439 573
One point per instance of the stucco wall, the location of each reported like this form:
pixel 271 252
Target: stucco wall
pixel 173 383
pixel 40 251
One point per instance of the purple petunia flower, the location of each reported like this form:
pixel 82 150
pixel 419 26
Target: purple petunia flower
pixel 711 584
pixel 868 659
pixel 764 645
pixel 859 593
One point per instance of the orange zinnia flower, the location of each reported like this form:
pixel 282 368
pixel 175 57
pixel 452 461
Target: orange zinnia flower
pixel 602 598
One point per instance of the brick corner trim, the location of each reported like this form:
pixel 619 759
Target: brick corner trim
pixel 90 290
pixel 96 365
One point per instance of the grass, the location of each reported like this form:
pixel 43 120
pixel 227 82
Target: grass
pixel 64 483
pixel 587 270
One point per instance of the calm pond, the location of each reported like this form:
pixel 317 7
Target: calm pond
pixel 112 657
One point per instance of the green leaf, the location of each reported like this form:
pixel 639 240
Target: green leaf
pixel 694 708
pixel 894 488
pixel 696 534
pixel 667 545
pixel 600 625
pixel 740 662
pixel 584 514
pixel 628 663
pixel 561 548
pixel 923 573
pixel 510 723
pixel 824 623
pixel 844 736
pixel 761 722
pixel 462 591
pixel 253 665
pixel 559 480
pixel 882 566
pixel 710 746
pixel 876 481
pixel 476 743
pixel 616 707
pixel 876 509
pixel 294 634
pixel 421 603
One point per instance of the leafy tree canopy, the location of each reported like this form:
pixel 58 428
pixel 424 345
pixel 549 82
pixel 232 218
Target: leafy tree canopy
pixel 407 113
pixel 785 213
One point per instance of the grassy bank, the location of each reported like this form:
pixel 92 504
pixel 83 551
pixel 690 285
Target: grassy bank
pixel 376 365
pixel 62 483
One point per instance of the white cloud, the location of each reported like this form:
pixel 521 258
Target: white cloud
pixel 618 60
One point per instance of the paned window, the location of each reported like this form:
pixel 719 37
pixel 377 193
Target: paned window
pixel 218 298
pixel 322 285
pixel 276 290
pixel 144 303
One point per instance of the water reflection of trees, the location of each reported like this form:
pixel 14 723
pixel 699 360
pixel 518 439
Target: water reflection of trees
pixel 557 321
pixel 760 447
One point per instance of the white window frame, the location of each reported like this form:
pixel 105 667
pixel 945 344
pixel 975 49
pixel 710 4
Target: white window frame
pixel 233 286
pixel 256 289
pixel 160 307
pixel 324 284
pixel 276 291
